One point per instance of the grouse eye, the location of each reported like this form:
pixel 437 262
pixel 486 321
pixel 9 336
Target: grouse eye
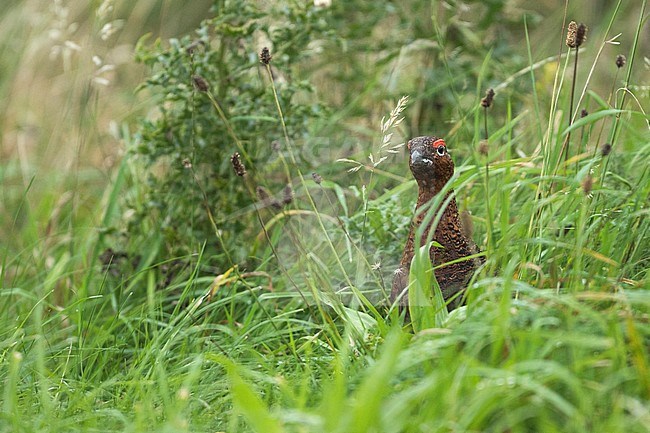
pixel 441 150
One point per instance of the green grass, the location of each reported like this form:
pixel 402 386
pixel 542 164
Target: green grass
pixel 555 336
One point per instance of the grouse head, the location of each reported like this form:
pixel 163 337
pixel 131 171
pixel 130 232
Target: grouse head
pixel 430 162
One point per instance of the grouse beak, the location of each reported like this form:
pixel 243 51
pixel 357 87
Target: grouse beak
pixel 419 160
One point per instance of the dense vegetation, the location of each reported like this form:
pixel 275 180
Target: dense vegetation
pixel 200 235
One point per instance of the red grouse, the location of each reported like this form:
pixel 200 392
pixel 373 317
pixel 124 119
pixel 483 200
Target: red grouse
pixel 432 168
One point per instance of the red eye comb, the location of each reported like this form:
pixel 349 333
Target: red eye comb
pixel 439 142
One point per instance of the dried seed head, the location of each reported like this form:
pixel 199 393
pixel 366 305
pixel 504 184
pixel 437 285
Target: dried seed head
pixel 194 45
pixel 587 184
pixel 262 194
pixel 571 33
pixel 581 34
pixel 287 195
pixel 317 178
pixel 483 148
pixel 266 199
pixel 265 56
pixel 200 83
pixel 489 97
pixel 237 165
pixel 187 163
pixel 620 61
pixel 606 149
pixel 584 113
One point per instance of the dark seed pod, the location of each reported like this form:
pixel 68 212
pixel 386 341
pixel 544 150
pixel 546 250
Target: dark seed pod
pixel 581 34
pixel 287 195
pixel 487 100
pixel 265 56
pixel 483 148
pixel 200 83
pixel 237 165
pixel 265 198
pixel 606 149
pixel 587 184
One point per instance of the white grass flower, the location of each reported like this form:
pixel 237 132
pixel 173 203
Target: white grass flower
pixel 104 9
pixel 109 29
pixel 387 124
pixel 322 3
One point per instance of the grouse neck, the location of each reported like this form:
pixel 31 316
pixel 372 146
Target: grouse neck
pixel 427 191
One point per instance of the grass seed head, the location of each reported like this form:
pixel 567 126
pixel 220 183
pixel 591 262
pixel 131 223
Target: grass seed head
pixel 194 45
pixel 262 193
pixel 620 61
pixel 581 34
pixel 571 33
pixel 265 56
pixel 237 165
pixel 606 149
pixel 287 194
pixel 487 100
pixel 483 148
pixel 200 83
pixel 265 198
pixel 587 184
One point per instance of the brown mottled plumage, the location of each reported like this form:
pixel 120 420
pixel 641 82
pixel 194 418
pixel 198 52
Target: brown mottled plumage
pixel 432 167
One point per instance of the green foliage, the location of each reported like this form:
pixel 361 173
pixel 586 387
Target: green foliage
pixel 187 131
pixel 387 223
pixel 426 305
pixel 277 321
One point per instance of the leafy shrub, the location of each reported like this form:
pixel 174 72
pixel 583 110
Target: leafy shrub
pixel 186 146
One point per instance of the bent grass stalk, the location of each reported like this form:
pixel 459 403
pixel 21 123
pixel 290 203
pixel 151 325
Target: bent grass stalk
pixel 365 303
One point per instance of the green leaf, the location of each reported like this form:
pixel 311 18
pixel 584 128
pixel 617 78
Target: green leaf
pixel 252 406
pixel 426 303
pixel 592 118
